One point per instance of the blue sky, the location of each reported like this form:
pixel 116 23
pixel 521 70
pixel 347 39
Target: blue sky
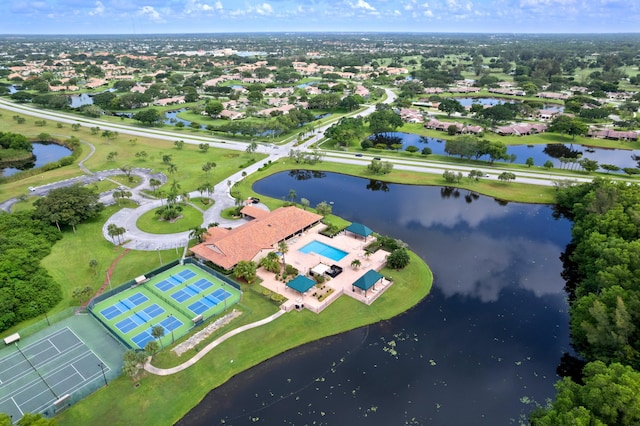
pixel 211 16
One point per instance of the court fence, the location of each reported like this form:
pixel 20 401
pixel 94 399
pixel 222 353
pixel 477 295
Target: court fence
pixel 128 284
pixel 47 321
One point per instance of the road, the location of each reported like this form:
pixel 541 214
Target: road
pixel 139 240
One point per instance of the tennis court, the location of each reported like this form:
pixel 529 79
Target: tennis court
pixel 173 299
pixel 36 374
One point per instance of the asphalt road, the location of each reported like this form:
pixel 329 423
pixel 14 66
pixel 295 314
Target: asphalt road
pixel 136 239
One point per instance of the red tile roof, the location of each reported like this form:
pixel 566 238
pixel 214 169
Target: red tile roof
pixel 226 248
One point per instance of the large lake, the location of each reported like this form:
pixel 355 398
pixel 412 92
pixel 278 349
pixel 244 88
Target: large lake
pixel 476 351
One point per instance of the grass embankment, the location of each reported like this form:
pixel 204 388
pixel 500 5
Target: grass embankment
pixel 513 191
pixel 164 400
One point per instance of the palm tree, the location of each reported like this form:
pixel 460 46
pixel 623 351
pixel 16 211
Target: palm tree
pixel 157 332
pixel 292 195
pixel 355 264
pixel 284 249
pixel 172 168
pixel 199 233
pixel 112 230
pixel 154 183
pixel 93 264
pixel 246 269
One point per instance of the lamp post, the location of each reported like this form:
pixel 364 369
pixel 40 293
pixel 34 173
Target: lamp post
pixel 36 370
pixel 171 327
pixel 101 365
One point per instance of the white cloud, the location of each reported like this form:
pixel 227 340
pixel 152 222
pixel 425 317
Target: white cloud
pixel 151 13
pixel 362 4
pixel 197 6
pixel 396 12
pixel 98 10
pixel 264 9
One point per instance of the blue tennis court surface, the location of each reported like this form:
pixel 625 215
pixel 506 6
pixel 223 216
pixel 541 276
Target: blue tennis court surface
pixel 168 324
pixel 203 284
pixel 165 285
pixel 141 339
pixel 187 274
pixel 221 294
pixel 129 323
pixel 153 311
pixel 124 305
pixel 209 301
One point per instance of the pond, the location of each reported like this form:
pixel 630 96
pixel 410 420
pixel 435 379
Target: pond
pixel 476 351
pixel 44 153
pixel 540 153
pixel 171 118
pixel 467 102
pixel 77 101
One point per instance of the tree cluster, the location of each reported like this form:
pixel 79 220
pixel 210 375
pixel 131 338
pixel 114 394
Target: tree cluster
pixel 26 288
pixel 68 206
pixel 602 269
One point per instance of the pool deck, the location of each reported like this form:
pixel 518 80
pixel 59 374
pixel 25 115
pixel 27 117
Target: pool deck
pixel 342 284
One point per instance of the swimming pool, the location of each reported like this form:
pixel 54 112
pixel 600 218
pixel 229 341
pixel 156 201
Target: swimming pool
pixel 323 250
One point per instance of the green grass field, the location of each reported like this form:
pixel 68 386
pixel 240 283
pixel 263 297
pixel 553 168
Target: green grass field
pixel 190 218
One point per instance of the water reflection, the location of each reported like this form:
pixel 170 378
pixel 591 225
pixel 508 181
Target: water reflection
pixel 43 153
pixel 540 153
pixel 486 340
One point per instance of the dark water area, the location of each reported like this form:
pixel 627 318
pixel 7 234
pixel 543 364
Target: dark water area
pixel 540 153
pixel 483 345
pixel 44 153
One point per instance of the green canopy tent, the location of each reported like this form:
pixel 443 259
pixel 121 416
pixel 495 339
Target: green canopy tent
pixel 359 229
pixel 368 280
pixel 301 284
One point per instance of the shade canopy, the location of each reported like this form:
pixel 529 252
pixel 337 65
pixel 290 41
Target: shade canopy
pixel 359 229
pixel 301 283
pixel 368 280
pixel 320 269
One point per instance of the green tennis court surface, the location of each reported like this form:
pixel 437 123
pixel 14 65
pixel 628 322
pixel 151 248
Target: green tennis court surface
pixel 34 375
pixel 172 300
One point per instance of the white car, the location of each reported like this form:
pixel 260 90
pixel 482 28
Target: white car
pixel 31 188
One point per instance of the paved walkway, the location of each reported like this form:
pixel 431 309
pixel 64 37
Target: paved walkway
pixel 173 370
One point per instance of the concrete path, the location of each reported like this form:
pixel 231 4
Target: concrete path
pixel 168 371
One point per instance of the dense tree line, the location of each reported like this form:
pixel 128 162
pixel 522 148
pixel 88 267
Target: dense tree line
pixel 602 269
pixel 26 288
pixel 15 141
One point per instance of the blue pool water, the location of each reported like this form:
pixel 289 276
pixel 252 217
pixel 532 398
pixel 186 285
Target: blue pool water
pixel 323 250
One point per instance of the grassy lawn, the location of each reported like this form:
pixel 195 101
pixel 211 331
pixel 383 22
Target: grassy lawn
pixel 189 160
pixel 157 400
pixel 150 223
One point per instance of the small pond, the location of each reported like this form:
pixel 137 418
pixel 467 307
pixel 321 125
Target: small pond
pixel 44 153
pixel 171 118
pixel 540 153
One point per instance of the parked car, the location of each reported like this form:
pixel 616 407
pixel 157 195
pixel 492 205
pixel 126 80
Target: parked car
pixel 31 188
pixel 377 158
pixel 358 155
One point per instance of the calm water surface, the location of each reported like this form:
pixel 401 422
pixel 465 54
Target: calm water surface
pixel 540 153
pixel 44 153
pixel 485 342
